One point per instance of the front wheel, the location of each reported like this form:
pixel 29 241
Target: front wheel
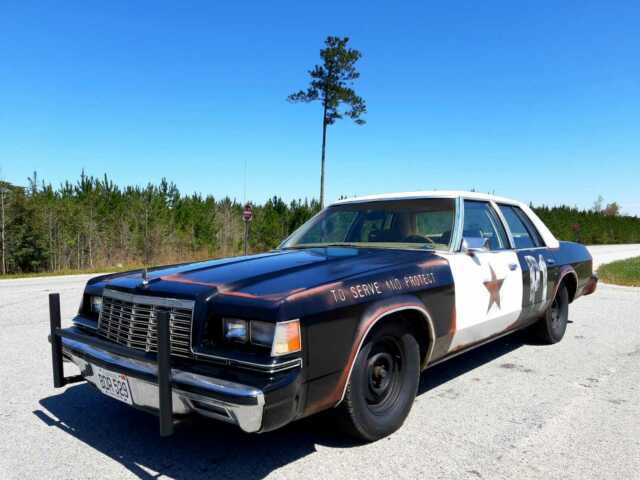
pixel 383 384
pixel 551 327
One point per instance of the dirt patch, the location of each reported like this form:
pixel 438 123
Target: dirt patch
pixel 515 366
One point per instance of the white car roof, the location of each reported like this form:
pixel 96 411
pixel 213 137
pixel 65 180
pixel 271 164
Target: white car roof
pixel 546 234
pixel 428 194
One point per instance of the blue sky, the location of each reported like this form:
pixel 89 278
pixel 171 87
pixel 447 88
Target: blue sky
pixel 534 100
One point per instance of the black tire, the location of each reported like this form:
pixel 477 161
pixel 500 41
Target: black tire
pixel 551 327
pixel 383 384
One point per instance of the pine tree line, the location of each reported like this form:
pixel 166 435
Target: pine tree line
pixel 94 224
pixel 591 227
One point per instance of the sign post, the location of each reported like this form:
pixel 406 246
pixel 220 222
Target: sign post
pixel 247 216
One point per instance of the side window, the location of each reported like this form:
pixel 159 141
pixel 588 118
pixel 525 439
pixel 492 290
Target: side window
pixel 524 233
pixel 480 220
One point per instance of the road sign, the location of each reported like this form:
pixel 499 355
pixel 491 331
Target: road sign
pixel 247 213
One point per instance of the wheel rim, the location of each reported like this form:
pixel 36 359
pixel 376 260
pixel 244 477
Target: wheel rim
pixel 383 379
pixel 558 315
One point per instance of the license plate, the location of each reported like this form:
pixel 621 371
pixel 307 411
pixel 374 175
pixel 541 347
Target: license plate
pixel 115 385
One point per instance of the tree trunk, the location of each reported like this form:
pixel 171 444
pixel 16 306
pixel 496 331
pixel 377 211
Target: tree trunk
pixel 324 143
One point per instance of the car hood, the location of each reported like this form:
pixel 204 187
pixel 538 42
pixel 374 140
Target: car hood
pixel 270 276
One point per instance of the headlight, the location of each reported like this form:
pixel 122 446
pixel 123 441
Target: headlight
pixel 235 329
pixel 282 337
pixel 96 304
pixel 262 333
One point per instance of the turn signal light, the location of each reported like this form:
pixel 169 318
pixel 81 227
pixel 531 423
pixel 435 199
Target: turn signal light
pixel 287 338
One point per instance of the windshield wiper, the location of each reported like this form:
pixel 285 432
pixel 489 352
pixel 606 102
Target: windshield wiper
pixel 382 246
pixel 341 244
pixel 322 245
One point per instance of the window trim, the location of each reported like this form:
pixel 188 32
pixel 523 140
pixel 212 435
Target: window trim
pixel 505 225
pixel 458 220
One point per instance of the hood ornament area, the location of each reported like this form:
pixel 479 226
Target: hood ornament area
pixel 145 278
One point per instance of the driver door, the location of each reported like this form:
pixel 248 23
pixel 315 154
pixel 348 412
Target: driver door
pixel 488 281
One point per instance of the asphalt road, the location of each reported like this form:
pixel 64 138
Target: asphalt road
pixel 511 409
pixel 608 253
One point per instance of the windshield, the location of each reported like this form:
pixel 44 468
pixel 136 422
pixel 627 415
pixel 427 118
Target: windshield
pixel 425 223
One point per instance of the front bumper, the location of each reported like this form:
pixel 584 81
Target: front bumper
pixel 591 285
pixel 221 399
pixel 255 401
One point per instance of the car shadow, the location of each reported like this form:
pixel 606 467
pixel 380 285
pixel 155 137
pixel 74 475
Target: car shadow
pixel 203 448
pixel 443 372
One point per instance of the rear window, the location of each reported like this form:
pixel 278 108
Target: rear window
pixel 524 233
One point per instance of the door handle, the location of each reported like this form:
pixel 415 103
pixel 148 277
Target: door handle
pixel 513 266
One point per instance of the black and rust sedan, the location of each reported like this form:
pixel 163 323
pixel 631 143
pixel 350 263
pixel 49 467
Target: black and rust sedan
pixel 345 314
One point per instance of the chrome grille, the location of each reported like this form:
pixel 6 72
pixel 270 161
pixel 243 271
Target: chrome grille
pixel 130 320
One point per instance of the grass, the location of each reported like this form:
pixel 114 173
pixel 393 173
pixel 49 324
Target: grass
pixel 622 272
pixel 105 269
pixel 69 272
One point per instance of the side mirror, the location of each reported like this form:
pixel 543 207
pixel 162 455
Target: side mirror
pixel 471 245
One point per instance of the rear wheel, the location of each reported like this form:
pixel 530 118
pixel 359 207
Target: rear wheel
pixel 551 327
pixel 383 383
